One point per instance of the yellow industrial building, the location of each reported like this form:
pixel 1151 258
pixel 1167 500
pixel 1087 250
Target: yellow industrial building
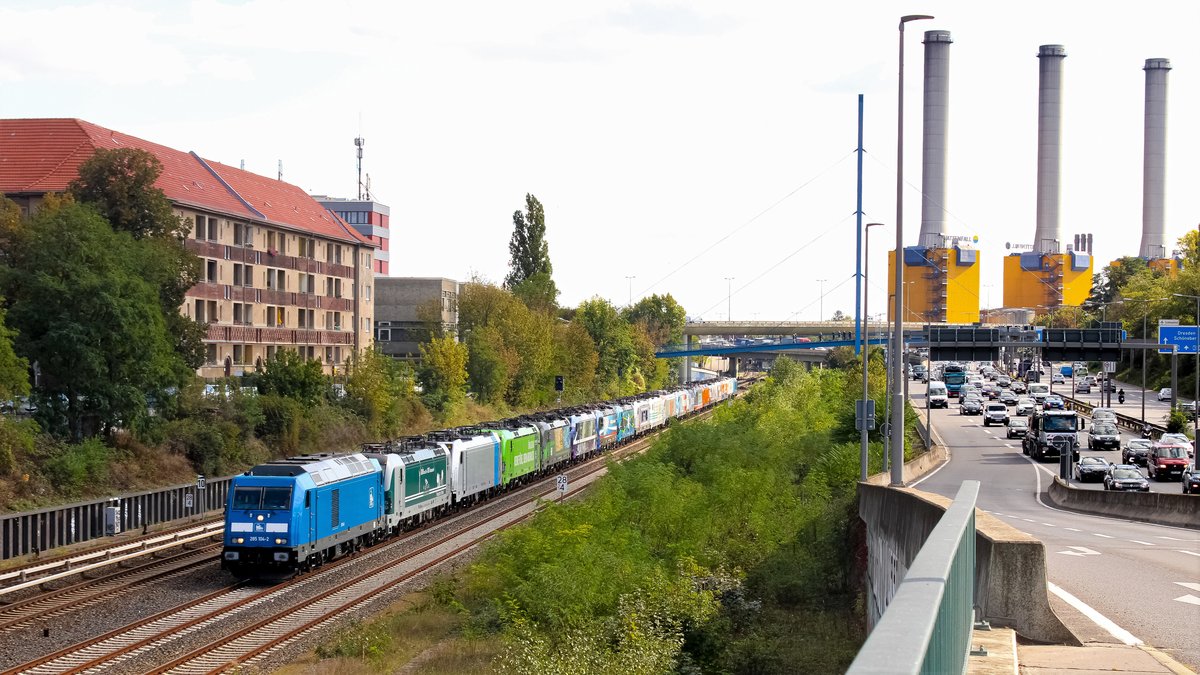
pixel 941 284
pixel 1043 280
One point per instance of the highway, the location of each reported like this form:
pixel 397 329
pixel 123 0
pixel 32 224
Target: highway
pixel 1111 580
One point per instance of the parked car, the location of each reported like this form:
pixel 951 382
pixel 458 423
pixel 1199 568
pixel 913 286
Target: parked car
pixel 1026 406
pixel 1008 397
pixel 1125 477
pixel 996 413
pixel 1054 402
pixel 1166 460
pixel 1191 480
pixel 1082 387
pixel 1164 394
pixel 1104 436
pixel 1136 450
pixel 1017 426
pixel 972 405
pixel 1091 469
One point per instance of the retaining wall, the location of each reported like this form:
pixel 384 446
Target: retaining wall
pixel 1161 508
pixel 1010 566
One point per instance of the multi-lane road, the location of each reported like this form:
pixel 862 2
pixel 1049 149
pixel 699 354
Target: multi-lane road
pixel 1111 580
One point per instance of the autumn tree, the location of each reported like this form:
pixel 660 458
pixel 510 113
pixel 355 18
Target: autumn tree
pixel 443 375
pixel 530 275
pixel 661 316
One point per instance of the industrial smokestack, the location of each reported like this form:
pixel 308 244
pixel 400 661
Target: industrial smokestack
pixel 1154 160
pixel 937 122
pixel 1049 229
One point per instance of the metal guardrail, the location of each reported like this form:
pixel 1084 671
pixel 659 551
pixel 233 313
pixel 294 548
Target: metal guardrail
pixel 1125 421
pixel 46 529
pixel 927 626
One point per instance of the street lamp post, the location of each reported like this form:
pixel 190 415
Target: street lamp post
pixel 630 280
pixel 1195 375
pixel 898 327
pixel 863 457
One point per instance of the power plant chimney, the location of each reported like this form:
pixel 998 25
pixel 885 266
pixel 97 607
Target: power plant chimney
pixel 1154 160
pixel 937 122
pixel 1049 229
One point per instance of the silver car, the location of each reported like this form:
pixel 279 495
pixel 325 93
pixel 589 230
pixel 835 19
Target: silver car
pixel 1026 406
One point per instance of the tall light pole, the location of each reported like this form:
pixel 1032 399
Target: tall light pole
pixel 821 305
pixel 630 280
pixel 864 458
pixel 897 422
pixel 729 298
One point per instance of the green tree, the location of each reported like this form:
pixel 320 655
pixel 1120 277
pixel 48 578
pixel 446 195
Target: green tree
pixel 661 316
pixel 86 314
pixel 1107 284
pixel 119 183
pixel 614 343
pixel 292 376
pixel 443 375
pixel 530 274
pixel 14 370
pixel 491 364
pixel 379 389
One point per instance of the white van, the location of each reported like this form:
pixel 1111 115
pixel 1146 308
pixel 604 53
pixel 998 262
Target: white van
pixel 1039 391
pixel 937 395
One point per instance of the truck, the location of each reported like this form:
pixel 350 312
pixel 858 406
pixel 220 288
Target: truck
pixel 1050 432
pixel 954 376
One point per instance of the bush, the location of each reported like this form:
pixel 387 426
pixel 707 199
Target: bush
pixel 16 439
pixel 1177 421
pixel 74 466
pixel 280 426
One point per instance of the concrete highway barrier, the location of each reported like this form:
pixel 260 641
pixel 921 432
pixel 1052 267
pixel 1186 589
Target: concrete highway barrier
pixel 1010 566
pixel 1161 508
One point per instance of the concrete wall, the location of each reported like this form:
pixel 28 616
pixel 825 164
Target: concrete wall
pixel 1178 510
pixel 1010 566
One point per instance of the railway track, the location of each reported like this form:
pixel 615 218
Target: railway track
pixel 295 618
pixel 88 592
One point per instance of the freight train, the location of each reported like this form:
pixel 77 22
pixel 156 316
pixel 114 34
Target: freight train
pixel 292 515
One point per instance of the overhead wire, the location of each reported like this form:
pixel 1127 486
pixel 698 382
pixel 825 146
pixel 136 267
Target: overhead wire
pixel 760 214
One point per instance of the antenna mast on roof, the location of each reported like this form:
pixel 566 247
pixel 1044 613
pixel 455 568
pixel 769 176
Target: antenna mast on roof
pixel 280 176
pixel 367 190
pixel 359 142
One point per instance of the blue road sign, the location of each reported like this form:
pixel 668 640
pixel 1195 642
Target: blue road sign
pixel 1183 337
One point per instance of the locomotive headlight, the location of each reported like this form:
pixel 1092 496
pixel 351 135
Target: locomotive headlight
pixel 260 517
pixel 239 540
pixel 280 540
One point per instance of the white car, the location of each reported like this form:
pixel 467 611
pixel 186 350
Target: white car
pixel 1026 406
pixel 1057 378
pixel 1164 394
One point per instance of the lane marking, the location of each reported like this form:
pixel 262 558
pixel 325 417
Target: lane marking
pixel 1096 617
pixel 1097 534
pixel 1144 543
pixel 1072 529
pixel 1189 585
pixel 1080 551
pixel 1010 445
pixel 1049 524
pixel 1190 553
pixel 1189 598
pixel 1028 520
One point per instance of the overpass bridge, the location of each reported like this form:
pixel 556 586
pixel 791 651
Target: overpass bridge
pixel 800 328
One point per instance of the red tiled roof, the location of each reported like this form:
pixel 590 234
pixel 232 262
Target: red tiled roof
pixel 43 155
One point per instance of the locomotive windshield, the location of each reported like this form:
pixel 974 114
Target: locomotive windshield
pixel 247 497
pixel 277 498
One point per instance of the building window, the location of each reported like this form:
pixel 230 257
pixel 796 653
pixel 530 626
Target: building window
pixel 329 355
pixel 210 271
pixel 249 276
pixel 337 354
pixel 337 288
pixel 337 320
pixel 243 314
pixel 307 248
pixel 385 335
pixel 201 229
pixel 238 353
pixel 210 355
pixel 271 247
pixel 270 352
pixel 276 316
pixel 243 235
pixel 368 292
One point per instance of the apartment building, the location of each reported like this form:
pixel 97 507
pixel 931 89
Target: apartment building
pixel 278 270
pixel 370 219
pixel 404 305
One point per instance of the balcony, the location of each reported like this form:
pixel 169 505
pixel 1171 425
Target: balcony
pixel 276 336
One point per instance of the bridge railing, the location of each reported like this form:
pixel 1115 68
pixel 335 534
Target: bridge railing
pixel 926 628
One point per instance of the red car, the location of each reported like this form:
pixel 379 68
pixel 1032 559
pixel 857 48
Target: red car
pixel 1167 460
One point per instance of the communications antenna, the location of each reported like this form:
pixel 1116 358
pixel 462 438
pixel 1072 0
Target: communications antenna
pixel 359 142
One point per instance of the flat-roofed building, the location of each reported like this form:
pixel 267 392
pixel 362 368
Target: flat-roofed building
pixel 278 270
pixel 405 308
pixel 370 219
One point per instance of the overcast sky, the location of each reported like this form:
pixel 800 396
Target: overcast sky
pixel 648 130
